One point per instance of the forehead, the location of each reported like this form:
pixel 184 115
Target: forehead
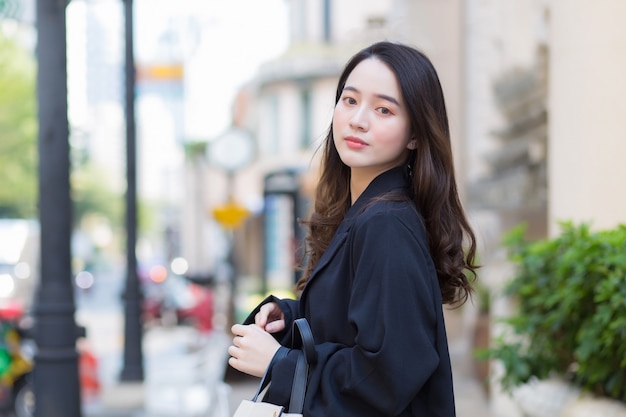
pixel 373 75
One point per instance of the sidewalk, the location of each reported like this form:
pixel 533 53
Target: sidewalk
pixel 471 399
pixel 183 373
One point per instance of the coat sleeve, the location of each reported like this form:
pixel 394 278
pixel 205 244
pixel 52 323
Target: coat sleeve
pixel 288 307
pixel 392 310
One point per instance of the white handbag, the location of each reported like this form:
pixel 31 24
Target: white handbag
pixel 307 356
pixel 249 408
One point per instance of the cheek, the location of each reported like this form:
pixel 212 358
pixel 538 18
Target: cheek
pixel 337 115
pixel 395 136
pixel 338 121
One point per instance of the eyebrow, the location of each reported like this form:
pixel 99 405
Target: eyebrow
pixel 383 96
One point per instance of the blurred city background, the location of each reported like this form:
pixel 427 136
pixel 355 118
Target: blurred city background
pixel 232 98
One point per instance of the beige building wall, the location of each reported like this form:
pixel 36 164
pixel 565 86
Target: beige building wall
pixel 436 28
pixel 500 38
pixel 587 172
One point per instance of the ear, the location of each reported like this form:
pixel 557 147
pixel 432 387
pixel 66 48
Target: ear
pixel 412 145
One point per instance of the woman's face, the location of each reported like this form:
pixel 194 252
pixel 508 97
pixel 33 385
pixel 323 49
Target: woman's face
pixel 371 126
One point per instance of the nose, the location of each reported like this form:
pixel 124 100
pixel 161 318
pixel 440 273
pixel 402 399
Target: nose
pixel 359 121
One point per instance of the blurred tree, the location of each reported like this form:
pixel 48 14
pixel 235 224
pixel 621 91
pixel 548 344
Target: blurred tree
pixel 18 131
pixel 18 147
pixel 10 8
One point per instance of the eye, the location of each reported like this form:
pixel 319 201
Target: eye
pixel 384 110
pixel 349 100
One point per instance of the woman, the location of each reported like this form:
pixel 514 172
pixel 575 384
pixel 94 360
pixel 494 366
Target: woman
pixel 385 250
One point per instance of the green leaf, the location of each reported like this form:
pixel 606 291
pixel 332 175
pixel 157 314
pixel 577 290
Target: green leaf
pixel 570 293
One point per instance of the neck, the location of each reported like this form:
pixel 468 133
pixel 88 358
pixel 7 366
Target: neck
pixel 360 178
pixel 356 189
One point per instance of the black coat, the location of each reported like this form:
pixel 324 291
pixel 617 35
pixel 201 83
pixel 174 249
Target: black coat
pixel 375 310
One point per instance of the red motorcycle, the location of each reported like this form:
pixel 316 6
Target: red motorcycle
pixel 16 366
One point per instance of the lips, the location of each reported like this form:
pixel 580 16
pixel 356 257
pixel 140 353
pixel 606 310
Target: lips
pixel 355 143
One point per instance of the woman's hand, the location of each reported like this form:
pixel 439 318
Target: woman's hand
pixel 270 318
pixel 252 350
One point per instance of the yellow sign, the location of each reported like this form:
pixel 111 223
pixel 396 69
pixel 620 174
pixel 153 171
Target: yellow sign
pixel 230 215
pixel 160 72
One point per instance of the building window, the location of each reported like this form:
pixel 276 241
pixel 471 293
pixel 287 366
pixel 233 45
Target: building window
pixel 305 118
pixel 326 16
pixel 298 20
pixel 274 127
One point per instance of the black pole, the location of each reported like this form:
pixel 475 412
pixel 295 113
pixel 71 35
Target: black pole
pixel 133 355
pixel 56 381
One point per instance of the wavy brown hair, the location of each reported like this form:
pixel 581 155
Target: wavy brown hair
pixel 433 188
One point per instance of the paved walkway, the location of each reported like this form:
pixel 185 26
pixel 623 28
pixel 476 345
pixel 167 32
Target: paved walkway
pixel 470 396
pixel 183 378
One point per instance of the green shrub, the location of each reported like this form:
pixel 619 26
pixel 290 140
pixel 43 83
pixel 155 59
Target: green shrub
pixel 571 310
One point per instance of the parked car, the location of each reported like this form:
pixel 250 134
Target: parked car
pixel 171 299
pixel 19 259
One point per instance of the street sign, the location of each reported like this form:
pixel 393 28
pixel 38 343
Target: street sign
pixel 233 150
pixel 160 72
pixel 230 215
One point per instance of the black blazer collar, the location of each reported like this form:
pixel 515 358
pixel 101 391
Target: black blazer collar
pixel 391 180
pixel 394 179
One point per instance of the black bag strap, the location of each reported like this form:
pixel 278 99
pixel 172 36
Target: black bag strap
pixel 298 388
pixel 305 359
pixel 306 339
pixel 265 380
pixel 301 333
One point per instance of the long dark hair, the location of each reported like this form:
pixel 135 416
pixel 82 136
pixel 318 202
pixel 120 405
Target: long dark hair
pixel 433 188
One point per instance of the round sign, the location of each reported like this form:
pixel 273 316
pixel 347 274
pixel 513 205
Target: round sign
pixel 233 150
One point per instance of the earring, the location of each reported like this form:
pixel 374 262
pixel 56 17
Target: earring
pixel 412 145
pixel 409 171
